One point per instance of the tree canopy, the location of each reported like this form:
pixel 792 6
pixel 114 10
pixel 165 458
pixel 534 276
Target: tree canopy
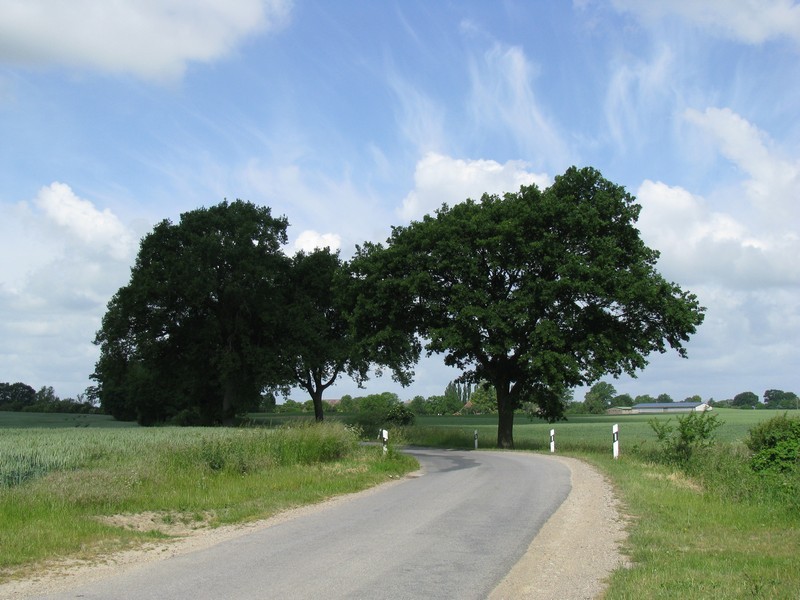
pixel 532 291
pixel 321 346
pixel 195 329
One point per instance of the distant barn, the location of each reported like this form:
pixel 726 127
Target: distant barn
pixel 669 407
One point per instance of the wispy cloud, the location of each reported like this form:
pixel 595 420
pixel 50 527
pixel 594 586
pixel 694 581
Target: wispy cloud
pixel 420 118
pixel 752 22
pixel 503 99
pixel 638 91
pixel 153 40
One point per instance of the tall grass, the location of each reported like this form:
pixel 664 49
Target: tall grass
pixel 59 481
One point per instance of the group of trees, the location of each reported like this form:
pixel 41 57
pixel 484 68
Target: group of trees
pixel 531 293
pixel 773 399
pixel 602 396
pixel 215 314
pixel 20 397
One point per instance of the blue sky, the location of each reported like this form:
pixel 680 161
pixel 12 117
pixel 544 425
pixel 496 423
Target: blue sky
pixel 352 116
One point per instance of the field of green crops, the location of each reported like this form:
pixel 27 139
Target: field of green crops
pixel 580 433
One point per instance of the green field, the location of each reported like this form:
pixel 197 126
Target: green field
pixel 582 433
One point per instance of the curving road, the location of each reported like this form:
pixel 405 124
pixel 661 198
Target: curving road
pixel 453 532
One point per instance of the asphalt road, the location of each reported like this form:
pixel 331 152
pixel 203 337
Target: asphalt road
pixel 453 532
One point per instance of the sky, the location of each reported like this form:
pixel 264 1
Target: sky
pixel 349 117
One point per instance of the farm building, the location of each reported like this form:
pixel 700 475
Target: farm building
pixel 669 407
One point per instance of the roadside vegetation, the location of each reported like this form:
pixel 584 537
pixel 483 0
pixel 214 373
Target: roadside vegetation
pixel 74 491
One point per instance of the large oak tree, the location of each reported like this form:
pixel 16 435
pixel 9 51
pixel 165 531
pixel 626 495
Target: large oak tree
pixel 197 329
pixel 533 291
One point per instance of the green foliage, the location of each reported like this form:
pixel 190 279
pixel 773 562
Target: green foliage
pixel 776 445
pixel 484 399
pixel 695 432
pixel 532 291
pixel 322 346
pixel 400 416
pixel 745 400
pixel 196 326
pixel 598 398
pixel 778 399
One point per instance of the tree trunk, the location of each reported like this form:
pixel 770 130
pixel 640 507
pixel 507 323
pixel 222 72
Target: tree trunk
pixel 316 397
pixel 227 404
pixel 505 417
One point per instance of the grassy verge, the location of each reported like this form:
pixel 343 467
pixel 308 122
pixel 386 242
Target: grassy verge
pixel 711 528
pixel 56 485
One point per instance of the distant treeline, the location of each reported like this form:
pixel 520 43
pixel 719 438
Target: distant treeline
pixel 20 397
pixel 603 396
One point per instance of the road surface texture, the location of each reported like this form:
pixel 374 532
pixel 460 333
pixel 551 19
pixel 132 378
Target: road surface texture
pixel 463 527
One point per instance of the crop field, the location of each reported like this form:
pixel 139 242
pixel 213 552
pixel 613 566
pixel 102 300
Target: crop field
pixel 588 433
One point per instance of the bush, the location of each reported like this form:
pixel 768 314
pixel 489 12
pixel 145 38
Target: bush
pixel 400 415
pixel 695 432
pixel 775 444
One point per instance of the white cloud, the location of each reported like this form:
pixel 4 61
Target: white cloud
pixel 441 179
pixel 69 259
pixel 750 241
pixel 774 183
pixel 153 39
pixel 700 245
pixel 80 219
pixel 310 240
pixel 752 22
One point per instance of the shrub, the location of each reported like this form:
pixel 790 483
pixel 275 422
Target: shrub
pixel 400 415
pixel 775 444
pixel 695 432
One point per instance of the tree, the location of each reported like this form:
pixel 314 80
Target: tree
pixel 198 329
pixel 644 399
pixel 534 292
pixel 745 400
pixel 418 405
pixel 598 399
pixel 780 399
pixel 622 400
pixel 664 398
pixel 16 396
pixel 321 345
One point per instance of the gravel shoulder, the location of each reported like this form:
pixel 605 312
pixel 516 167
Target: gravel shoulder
pixel 569 559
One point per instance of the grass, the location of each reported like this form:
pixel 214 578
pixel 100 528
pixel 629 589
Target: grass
pixel 711 529
pixel 57 483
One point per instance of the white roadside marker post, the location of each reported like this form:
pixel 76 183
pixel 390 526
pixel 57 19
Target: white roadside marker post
pixel 552 440
pixel 476 439
pixel 615 443
pixel 384 437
